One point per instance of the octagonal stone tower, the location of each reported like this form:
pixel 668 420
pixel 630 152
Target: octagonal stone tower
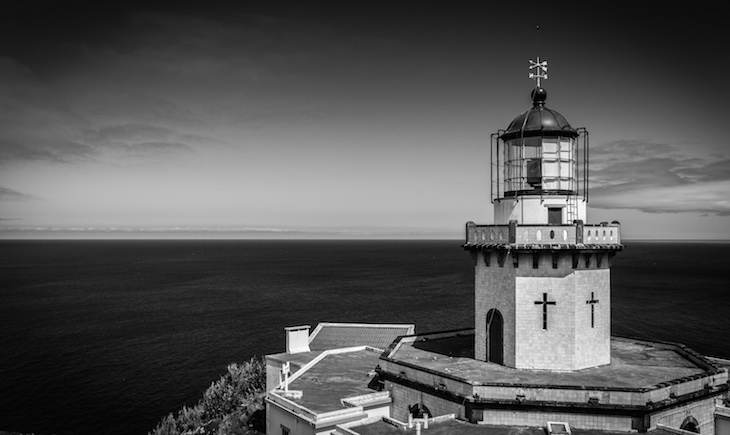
pixel 542 277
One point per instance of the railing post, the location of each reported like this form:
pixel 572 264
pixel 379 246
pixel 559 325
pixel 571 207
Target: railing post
pixel 470 231
pixel 579 231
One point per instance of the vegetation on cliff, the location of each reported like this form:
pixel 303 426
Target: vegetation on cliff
pixel 232 405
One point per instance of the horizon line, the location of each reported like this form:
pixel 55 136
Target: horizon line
pixel 261 233
pixel 279 239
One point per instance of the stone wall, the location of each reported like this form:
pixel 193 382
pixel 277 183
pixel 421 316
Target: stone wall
pixel 703 411
pixel 494 287
pixel 403 397
pixel 539 419
pixel 592 340
pixel 569 342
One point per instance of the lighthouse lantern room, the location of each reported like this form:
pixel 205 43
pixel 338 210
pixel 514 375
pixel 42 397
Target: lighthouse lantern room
pixel 539 165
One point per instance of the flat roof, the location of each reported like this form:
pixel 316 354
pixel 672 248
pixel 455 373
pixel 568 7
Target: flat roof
pixel 634 364
pixel 337 376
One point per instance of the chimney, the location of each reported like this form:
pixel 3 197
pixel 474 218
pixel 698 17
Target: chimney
pixel 297 339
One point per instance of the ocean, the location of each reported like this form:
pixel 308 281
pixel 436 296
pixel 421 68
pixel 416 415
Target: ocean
pixel 107 337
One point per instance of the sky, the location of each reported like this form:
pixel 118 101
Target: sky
pixel 349 119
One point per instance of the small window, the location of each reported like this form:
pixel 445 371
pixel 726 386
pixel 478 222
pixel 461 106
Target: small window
pixel 284 430
pixel 555 216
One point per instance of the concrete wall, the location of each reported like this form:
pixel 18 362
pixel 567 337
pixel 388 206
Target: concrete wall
pixel 534 209
pixel 299 422
pixel 273 374
pixel 601 234
pixel 277 417
pixel 722 425
pixel 378 411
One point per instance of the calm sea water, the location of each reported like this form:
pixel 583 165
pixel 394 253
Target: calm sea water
pixel 109 336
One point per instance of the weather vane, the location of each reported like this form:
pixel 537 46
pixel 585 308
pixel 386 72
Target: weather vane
pixel 540 70
pixel 539 67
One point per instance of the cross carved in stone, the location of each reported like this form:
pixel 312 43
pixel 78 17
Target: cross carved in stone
pixel 544 302
pixel 593 301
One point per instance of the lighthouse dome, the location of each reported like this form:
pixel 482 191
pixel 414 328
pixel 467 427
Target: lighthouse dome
pixel 539 121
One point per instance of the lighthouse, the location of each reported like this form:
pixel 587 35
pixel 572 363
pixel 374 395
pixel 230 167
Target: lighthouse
pixel 540 357
pixel 542 274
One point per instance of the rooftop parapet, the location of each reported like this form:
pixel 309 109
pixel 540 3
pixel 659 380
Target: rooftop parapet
pixel 642 375
pixel 516 236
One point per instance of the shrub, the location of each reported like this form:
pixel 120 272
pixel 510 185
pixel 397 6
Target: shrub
pixel 232 405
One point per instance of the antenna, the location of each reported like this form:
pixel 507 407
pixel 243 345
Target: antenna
pixel 539 67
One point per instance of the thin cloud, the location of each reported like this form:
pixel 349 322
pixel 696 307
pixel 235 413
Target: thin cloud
pixel 35 123
pixel 12 195
pixel 276 119
pixel 41 123
pixel 656 178
pixel 136 138
pixel 144 149
pixel 107 105
pixel 39 148
pixel 631 150
pixel 714 171
pixel 245 48
pixel 710 198
pixel 131 133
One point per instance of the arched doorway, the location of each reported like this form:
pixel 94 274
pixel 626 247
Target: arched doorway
pixel 419 410
pixel 495 339
pixel 690 424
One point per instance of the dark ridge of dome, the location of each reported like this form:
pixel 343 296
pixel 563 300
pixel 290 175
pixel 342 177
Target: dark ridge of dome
pixel 539 121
